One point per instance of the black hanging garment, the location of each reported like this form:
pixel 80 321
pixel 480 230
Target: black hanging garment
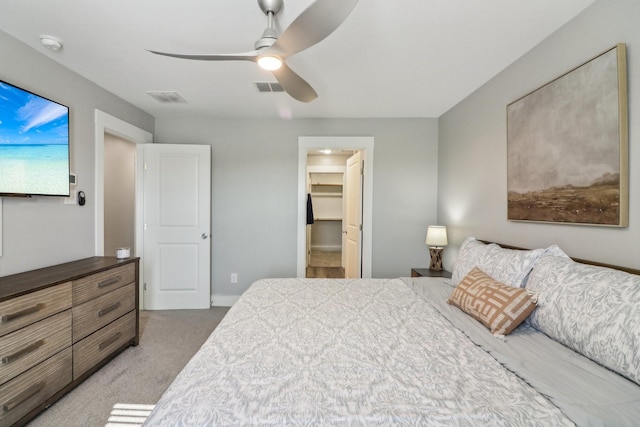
pixel 309 210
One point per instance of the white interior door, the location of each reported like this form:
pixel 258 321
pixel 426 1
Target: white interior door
pixel 353 217
pixel 177 206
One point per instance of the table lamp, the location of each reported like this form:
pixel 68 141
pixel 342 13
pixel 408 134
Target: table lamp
pixel 436 240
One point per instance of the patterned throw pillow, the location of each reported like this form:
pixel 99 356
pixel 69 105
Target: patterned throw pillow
pixel 508 266
pixel 499 307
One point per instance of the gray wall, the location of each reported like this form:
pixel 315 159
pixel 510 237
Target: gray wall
pixel 254 191
pixel 43 231
pixel 472 155
pixel 119 194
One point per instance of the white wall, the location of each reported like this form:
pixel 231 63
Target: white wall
pixel 472 143
pixel 254 191
pixel 43 231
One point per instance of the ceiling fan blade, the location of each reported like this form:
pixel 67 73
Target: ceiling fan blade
pixel 247 56
pixel 313 25
pixel 294 85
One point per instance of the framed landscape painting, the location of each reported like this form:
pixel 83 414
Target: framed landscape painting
pixel 567 147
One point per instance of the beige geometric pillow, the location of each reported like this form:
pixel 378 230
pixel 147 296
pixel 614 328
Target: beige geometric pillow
pixel 499 307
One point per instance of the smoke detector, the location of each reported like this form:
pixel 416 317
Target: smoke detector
pixel 51 42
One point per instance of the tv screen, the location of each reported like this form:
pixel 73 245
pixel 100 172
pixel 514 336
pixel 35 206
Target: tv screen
pixel 34 144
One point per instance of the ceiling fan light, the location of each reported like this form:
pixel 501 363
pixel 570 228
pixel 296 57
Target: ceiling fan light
pixel 269 63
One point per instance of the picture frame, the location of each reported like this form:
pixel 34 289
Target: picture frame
pixel 567 147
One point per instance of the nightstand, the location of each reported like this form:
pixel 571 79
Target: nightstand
pixel 425 272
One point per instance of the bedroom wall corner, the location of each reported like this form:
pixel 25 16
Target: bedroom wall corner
pixel 472 189
pixel 43 231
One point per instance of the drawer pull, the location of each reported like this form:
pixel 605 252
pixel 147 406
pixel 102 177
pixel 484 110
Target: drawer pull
pixel 113 338
pixel 109 282
pixel 109 309
pixel 23 397
pixel 21 353
pixel 27 311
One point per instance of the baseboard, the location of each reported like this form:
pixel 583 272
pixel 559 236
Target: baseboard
pixel 223 300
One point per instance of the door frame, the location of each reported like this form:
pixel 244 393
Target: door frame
pixel 362 143
pixel 106 123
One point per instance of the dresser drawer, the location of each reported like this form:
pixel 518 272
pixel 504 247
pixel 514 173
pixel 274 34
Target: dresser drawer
pixel 96 313
pixel 26 309
pixel 91 350
pixel 100 283
pixel 25 392
pixel 32 344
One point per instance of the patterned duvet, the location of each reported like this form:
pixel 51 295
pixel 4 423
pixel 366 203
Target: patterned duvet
pixel 345 352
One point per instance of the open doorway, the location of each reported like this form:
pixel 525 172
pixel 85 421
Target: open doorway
pixel 364 145
pixel 325 212
pixel 106 124
pixel 119 194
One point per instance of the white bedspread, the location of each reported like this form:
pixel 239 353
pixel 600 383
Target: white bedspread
pixel 345 352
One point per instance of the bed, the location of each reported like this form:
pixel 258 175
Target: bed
pixel 401 352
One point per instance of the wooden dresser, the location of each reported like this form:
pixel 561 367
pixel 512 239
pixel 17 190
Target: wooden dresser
pixel 60 324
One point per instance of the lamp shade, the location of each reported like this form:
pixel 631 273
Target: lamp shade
pixel 437 235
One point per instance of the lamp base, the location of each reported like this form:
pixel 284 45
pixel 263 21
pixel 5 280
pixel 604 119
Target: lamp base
pixel 436 259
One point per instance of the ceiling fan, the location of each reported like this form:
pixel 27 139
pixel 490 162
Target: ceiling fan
pixel 313 25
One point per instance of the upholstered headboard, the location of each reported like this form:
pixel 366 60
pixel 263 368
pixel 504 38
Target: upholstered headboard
pixel 583 261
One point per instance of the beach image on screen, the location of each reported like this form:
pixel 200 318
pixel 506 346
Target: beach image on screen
pixel 34 144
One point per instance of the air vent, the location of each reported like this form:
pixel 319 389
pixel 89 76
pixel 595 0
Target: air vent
pixel 167 97
pixel 268 87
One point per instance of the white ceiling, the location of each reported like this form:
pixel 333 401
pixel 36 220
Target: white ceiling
pixel 410 58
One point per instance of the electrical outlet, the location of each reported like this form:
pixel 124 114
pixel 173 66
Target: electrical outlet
pixel 234 277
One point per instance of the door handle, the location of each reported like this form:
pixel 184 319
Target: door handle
pixel 205 235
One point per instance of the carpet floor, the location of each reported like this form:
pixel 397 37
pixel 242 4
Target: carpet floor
pixel 325 272
pixel 325 264
pixel 325 259
pixel 139 375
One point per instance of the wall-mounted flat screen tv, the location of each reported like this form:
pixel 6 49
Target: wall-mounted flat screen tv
pixel 34 144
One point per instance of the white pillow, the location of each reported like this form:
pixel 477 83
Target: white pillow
pixel 593 310
pixel 509 266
